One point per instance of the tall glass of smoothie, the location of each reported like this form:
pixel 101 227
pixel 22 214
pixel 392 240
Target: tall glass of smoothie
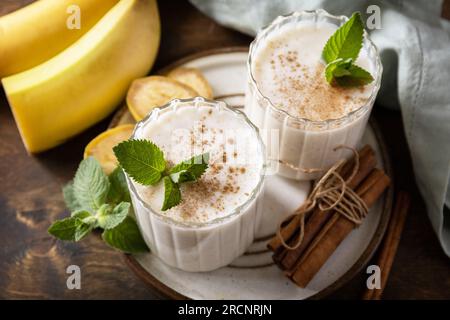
pixel 302 118
pixel 219 214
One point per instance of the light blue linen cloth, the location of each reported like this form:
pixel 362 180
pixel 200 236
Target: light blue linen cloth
pixel 415 48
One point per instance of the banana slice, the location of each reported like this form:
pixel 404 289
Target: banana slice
pixel 150 92
pixel 101 146
pixel 194 79
pixel 125 117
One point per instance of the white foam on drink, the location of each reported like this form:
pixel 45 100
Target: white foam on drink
pixel 234 167
pixel 289 71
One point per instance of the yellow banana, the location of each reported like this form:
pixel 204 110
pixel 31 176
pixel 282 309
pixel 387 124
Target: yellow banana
pixel 83 84
pixel 37 32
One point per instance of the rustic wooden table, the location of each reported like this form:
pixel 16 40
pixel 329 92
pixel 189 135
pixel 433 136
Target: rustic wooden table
pixel 32 264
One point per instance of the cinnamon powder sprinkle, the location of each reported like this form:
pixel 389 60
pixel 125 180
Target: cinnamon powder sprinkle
pixel 309 95
pixel 211 194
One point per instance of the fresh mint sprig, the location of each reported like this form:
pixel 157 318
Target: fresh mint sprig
pixel 172 194
pixel 99 201
pixel 190 170
pixel 340 53
pixel 144 162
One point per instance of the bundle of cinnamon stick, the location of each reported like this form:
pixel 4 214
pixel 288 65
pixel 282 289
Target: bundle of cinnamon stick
pixel 325 230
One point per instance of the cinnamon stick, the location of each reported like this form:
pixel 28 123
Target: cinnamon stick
pixel 367 162
pixel 336 230
pixel 315 223
pixel 390 244
pixel 374 176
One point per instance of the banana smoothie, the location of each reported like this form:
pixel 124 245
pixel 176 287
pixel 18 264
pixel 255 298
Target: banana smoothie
pixel 218 215
pixel 302 117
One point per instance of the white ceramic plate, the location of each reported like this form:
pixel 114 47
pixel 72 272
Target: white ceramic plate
pixel 253 275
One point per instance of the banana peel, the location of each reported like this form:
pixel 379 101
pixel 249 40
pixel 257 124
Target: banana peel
pixel 37 32
pixel 63 96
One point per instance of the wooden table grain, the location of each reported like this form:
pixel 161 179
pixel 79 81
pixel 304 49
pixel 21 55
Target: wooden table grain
pixel 33 265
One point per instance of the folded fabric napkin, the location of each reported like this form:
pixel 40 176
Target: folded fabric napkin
pixel 414 43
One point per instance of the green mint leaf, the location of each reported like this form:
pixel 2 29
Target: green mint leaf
pixel 172 194
pixel 72 229
pixel 118 190
pixel 64 229
pixel 357 77
pixel 337 68
pixel 190 170
pixel 346 42
pixel 69 198
pixel 83 229
pixel 142 160
pixel 90 185
pixel 343 69
pixel 80 214
pixel 86 217
pixel 341 51
pixel 182 176
pixel 111 217
pixel 125 237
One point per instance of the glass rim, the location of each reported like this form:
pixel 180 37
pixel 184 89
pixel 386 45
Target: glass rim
pixel 341 20
pixel 201 102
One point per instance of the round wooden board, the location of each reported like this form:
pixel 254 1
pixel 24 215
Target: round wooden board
pixel 140 265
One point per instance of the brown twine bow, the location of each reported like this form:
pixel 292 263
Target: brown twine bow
pixel 330 192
